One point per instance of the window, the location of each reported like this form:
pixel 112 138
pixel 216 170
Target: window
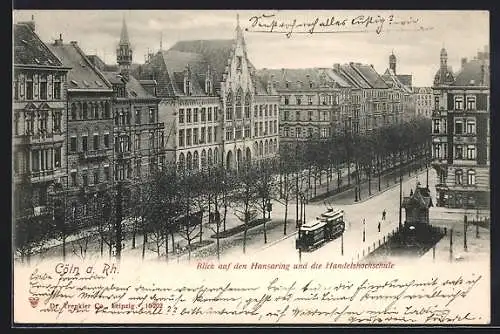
pixel 138 168
pixel 459 152
pixel 74 180
pixel 215 133
pixel 471 177
pixel 309 100
pixel 287 132
pixel 260 128
pixel 73 144
pixel 106 173
pixel 435 126
pixel 57 87
pixel 275 126
pixel 188 115
pixel 137 142
pixel 299 100
pixel 209 134
pixel 44 119
pixel 471 126
pixel 106 140
pixel 56 121
pixel 16 88
pixel 138 116
pixel 96 142
pixel 96 176
pixel 238 132
pixel 310 115
pixel 216 113
pixel 265 110
pixel 310 132
pixel 95 111
pixel 229 134
pixel 459 127
pixel 247 106
pixel 238 64
pixel 324 132
pixel 471 152
pixel 203 114
pixel 471 103
pixel 188 137
pixel 152 117
pixel 261 110
pixel 181 116
pixel 29 87
pixel 255 111
pixel 459 102
pixel 202 135
pixel 84 143
pixel 247 131
pixel 458 176
pixel 195 136
pixel 209 114
pixel 57 157
pixel 297 115
pixel 195 115
pixel 238 106
pixel 287 100
pixel 266 128
pixel 43 87
pixel 256 129
pixel 229 107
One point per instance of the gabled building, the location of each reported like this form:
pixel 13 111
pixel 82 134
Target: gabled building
pixel 89 132
pixel 417 205
pixel 38 121
pixel 402 98
pixel 214 107
pixel 423 101
pixel 461 133
pixel 309 102
pixel 139 138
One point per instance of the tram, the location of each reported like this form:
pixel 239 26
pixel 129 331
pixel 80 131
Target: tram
pixel 326 227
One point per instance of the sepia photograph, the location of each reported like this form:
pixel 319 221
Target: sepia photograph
pixel 251 166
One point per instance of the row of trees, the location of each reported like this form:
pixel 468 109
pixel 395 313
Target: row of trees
pixel 176 201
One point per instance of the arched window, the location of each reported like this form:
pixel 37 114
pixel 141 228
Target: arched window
pixel 85 111
pixel 471 177
pixel 189 161
pixel 196 161
pixel 261 148
pixel 248 98
pixel 182 161
pixel 210 157
pixel 203 159
pixel 266 147
pixel 229 106
pixel 458 176
pixel 107 112
pixel 216 156
pixel 239 106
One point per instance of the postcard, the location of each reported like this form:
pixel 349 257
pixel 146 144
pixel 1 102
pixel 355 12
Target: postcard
pixel 251 167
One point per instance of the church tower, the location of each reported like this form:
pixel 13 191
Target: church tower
pixel 392 62
pixel 124 52
pixel 444 59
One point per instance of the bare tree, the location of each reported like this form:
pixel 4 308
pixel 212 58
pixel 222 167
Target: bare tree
pixel 265 188
pixel 81 243
pixel 245 197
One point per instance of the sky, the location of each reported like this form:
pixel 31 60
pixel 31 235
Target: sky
pixel 415 37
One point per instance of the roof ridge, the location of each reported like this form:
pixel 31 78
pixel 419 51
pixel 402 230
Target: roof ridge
pixel 92 66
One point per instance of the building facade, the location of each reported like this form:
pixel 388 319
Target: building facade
pixel 423 101
pixel 89 133
pixel 215 108
pixel 38 122
pixel 461 133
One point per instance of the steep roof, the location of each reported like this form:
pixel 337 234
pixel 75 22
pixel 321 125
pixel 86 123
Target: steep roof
pixel 354 76
pixel 30 50
pixel 474 73
pixel 370 75
pixel 133 87
pixel 83 74
pixel 294 77
pixel 214 52
pixel 340 79
pixel 406 79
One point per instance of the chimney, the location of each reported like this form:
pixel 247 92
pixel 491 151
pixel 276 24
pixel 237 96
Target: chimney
pixel 59 41
pixel 31 23
pixel 336 67
pixel 74 43
pixel 464 61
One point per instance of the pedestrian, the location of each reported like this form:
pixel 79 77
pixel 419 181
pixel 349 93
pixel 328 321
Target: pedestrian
pixel 379 226
pixel 383 215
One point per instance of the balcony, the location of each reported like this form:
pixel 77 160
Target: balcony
pixel 123 155
pixel 94 155
pixel 149 126
pixel 44 138
pixel 44 175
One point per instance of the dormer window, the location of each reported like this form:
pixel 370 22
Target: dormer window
pixel 310 85
pixel 187 86
pixel 238 63
pixel 208 86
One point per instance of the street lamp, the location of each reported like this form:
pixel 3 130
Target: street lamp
pixel 364 230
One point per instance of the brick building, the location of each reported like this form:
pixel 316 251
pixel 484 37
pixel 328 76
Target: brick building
pixel 423 101
pixel 215 109
pixel 89 133
pixel 38 121
pixel 461 133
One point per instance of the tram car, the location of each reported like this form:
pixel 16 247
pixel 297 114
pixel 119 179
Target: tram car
pixel 327 227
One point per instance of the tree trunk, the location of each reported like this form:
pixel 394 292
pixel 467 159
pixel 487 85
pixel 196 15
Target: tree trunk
pixel 134 232
pixel 64 247
pixel 379 167
pixel 286 214
pixel 165 236
pixel 144 243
